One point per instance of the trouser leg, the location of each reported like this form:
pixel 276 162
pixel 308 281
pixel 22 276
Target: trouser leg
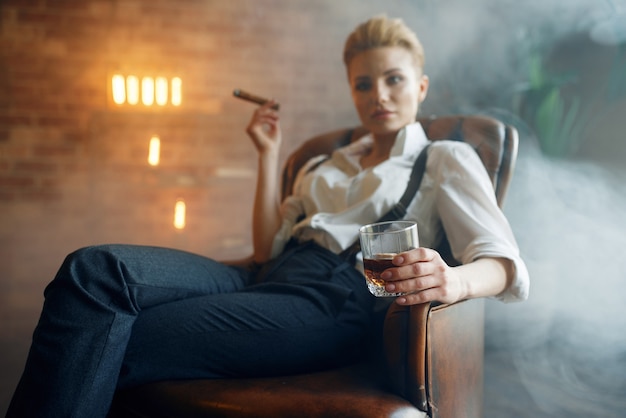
pixel 311 312
pixel 90 307
pixel 245 334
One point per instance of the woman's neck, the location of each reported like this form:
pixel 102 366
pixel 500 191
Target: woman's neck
pixel 380 151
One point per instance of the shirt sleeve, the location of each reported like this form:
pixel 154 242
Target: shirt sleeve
pixel 474 224
pixel 290 211
pixel 292 208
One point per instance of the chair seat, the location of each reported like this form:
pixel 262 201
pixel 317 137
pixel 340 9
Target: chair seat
pixel 352 391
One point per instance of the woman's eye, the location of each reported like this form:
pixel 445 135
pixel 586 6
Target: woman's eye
pixel 362 86
pixel 395 79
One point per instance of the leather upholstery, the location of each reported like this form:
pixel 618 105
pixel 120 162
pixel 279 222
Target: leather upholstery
pixel 434 352
pixel 353 391
pixel 455 378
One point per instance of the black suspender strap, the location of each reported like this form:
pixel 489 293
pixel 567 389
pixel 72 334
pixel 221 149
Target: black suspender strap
pixel 399 209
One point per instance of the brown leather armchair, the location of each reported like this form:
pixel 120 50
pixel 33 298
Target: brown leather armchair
pixel 434 352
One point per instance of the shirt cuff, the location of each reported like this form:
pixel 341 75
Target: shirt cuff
pixel 520 284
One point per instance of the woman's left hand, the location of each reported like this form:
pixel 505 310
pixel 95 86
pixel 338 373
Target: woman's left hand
pixel 424 277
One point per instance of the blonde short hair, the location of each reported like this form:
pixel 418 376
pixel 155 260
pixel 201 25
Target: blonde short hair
pixel 380 31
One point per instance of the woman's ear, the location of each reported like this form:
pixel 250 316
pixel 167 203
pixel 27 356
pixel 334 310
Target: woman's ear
pixel 423 88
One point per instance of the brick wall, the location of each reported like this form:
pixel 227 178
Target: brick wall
pixel 73 166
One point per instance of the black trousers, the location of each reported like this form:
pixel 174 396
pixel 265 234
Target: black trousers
pixel 118 316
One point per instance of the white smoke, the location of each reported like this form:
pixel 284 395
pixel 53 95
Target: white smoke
pixel 567 343
pixel 568 337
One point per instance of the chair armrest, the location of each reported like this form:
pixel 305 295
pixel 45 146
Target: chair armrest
pixel 404 338
pixel 435 352
pixel 454 359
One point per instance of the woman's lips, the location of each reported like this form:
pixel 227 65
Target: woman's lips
pixel 381 114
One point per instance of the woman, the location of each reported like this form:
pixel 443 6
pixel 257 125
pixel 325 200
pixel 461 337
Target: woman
pixel 118 316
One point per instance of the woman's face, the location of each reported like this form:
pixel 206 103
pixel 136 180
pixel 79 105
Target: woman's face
pixel 387 88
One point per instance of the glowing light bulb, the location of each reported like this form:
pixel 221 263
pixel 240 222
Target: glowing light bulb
pixel 160 85
pixel 179 214
pixel 118 89
pixel 132 89
pixel 147 91
pixel 154 151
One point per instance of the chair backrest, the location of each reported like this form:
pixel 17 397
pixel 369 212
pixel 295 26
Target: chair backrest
pixel 495 142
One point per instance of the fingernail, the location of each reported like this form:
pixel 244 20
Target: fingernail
pixel 386 275
pixel 390 287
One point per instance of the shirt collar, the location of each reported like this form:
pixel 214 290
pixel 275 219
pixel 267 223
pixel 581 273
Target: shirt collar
pixel 409 141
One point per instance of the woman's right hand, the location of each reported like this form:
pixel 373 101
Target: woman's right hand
pixel 264 128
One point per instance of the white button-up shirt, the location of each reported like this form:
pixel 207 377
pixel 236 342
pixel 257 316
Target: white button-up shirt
pixel 332 201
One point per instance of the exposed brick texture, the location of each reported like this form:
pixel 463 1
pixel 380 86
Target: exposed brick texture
pixel 73 166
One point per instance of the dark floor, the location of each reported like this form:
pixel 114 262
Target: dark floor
pixel 543 381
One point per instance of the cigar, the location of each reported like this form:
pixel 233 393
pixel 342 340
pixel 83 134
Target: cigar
pixel 252 98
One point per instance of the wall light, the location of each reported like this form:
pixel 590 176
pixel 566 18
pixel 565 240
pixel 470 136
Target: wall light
pixel 159 91
pixel 132 89
pixel 147 91
pixel 118 89
pixel 154 151
pixel 179 214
